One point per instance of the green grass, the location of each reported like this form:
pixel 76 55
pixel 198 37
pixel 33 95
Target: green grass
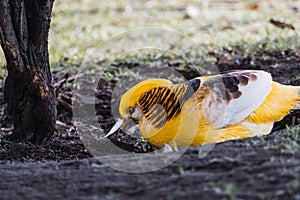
pixel 79 26
pixel 289 143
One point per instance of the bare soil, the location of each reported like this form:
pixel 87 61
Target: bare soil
pixel 259 168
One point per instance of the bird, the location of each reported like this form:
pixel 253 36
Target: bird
pixel 207 109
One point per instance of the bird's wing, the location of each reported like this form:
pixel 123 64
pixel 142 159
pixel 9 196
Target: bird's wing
pixel 233 96
pixel 162 103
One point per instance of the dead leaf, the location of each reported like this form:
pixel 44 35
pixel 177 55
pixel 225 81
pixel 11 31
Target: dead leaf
pixel 252 6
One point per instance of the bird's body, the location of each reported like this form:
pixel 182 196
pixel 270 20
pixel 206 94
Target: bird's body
pixel 211 109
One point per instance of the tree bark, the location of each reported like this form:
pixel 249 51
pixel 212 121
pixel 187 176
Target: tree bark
pixel 29 90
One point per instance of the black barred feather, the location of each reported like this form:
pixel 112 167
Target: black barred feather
pixel 161 104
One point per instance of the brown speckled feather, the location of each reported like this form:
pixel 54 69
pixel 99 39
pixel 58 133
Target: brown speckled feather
pixel 233 96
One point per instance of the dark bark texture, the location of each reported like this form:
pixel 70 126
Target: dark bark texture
pixel 29 90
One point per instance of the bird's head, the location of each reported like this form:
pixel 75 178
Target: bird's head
pixel 129 108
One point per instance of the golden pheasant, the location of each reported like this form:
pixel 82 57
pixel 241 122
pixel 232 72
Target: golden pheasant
pixel 211 109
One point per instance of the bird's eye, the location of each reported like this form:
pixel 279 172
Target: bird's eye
pixel 130 110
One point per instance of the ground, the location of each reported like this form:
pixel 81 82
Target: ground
pixel 259 168
pixel 253 168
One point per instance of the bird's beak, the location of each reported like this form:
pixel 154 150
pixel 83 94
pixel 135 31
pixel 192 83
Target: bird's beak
pixel 120 123
pixel 114 129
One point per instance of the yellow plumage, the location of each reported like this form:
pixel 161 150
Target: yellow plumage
pixel 212 109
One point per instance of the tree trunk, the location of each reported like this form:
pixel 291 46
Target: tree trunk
pixel 29 90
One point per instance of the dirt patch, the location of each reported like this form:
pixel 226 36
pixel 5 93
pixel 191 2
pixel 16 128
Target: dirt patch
pixel 231 170
pixel 259 168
